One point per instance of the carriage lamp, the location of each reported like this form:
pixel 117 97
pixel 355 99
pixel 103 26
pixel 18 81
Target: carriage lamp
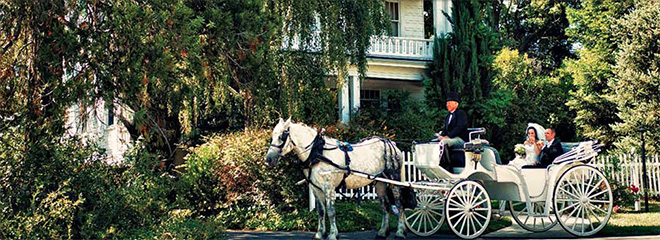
pixel 645 178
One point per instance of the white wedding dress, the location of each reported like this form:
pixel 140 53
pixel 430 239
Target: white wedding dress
pixel 530 157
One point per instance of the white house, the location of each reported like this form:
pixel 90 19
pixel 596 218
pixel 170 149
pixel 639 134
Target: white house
pixel 99 124
pixel 396 62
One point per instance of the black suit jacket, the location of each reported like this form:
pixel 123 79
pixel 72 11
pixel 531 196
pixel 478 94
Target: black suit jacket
pixel 458 125
pixel 548 154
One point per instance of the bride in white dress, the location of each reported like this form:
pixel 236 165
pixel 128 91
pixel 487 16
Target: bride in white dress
pixel 532 147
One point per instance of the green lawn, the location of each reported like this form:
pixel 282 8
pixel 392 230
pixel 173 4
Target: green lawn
pixel 350 218
pixel 630 223
pixel 369 217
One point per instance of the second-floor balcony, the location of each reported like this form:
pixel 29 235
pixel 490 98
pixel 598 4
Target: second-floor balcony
pixel 401 47
pixel 387 47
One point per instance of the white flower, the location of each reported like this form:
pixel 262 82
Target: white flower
pixel 519 149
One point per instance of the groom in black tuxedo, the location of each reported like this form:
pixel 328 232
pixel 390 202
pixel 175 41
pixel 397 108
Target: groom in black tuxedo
pixel 552 149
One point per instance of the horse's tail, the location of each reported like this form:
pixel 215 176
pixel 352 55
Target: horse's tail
pixel 393 159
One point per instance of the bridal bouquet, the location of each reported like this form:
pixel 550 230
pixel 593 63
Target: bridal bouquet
pixel 519 149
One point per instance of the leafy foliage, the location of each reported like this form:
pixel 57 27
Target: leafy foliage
pixel 538 28
pixel 528 97
pixel 462 59
pixel 636 87
pixel 227 177
pixel 592 22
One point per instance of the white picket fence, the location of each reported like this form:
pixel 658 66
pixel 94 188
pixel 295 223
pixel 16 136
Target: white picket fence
pixel 630 173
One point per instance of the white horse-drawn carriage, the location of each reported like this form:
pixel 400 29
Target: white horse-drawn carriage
pixel 568 191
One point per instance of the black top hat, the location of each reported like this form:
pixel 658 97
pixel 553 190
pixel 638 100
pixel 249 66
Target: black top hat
pixel 453 97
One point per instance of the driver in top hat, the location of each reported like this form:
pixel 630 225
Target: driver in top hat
pixel 455 132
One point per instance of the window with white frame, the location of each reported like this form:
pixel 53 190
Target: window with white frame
pixel 369 99
pixel 393 9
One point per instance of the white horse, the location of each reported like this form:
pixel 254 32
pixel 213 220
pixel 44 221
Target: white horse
pixel 374 156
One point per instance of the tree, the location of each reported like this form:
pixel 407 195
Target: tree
pixel 462 58
pixel 184 67
pixel 537 27
pixel 592 28
pixel 527 96
pixel 38 46
pixel 188 67
pixel 636 85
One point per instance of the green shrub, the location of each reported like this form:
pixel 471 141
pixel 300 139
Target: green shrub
pixel 64 190
pixel 227 177
pixel 404 120
pixel 179 224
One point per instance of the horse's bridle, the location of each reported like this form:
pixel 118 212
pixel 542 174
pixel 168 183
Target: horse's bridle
pixel 285 136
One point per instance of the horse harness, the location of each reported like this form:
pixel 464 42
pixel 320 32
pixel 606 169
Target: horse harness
pixel 316 148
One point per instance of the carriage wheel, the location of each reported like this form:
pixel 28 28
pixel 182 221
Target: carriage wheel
pixel 428 216
pixel 468 209
pixel 535 222
pixel 583 200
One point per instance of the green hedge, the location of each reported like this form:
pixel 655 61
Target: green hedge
pixel 69 193
pixel 227 177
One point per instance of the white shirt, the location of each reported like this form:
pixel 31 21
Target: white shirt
pixel 547 145
pixel 451 115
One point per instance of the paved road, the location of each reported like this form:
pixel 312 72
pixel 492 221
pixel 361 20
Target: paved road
pixel 512 232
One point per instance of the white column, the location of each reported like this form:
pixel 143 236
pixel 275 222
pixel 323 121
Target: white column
pixel 344 104
pixel 354 85
pixel 440 22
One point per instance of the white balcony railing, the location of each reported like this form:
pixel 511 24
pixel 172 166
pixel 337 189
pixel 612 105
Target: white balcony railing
pixel 414 48
pixel 383 46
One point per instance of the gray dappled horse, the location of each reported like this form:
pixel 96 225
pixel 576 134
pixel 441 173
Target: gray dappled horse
pixel 374 156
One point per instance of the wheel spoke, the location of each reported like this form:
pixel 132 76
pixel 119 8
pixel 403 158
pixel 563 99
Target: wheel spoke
pixel 417 219
pixel 599 209
pixel 576 219
pixel 461 196
pixel 596 186
pixel 595 215
pixel 467 220
pixel 459 220
pixel 482 216
pixel 583 210
pixel 570 193
pixel 587 210
pixel 575 190
pixel 474 226
pixel 452 202
pixel 598 194
pixel 574 209
pixel 482 201
pixel 566 208
pixel 475 199
pixel 599 201
pixel 435 220
pixel 425 221
pixel 459 214
pixel 434 212
pixel 414 214
pixel 526 218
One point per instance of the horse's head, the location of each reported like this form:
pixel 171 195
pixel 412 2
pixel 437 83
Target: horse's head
pixel 280 143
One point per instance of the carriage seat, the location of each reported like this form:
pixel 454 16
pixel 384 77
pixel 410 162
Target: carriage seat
pixel 566 146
